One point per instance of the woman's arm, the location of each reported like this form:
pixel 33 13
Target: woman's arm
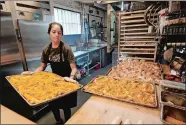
pixel 74 70
pixel 39 69
pixel 42 67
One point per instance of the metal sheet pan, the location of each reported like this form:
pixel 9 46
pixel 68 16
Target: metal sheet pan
pixel 162 113
pixel 46 101
pixel 172 85
pixel 155 82
pixel 108 72
pixel 181 94
pixel 132 102
pixel 169 104
pixel 173 90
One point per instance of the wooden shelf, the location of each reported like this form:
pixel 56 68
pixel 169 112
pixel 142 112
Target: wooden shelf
pixel 138 49
pixel 132 17
pixel 136 16
pixel 136 29
pixel 140 58
pixel 129 22
pixel 137 41
pixel 137 53
pixel 139 33
pixel 137 45
pixel 134 25
pixel 138 37
pixel 133 12
pixel 133 21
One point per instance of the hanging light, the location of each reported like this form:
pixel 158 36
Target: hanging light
pixel 122 6
pixel 98 1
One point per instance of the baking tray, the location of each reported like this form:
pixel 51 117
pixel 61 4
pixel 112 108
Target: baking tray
pixel 46 101
pixel 162 113
pixel 108 72
pixel 169 104
pixel 173 85
pixel 181 94
pixel 155 82
pixel 132 102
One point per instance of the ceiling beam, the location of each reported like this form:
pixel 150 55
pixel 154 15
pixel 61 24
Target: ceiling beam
pixel 107 2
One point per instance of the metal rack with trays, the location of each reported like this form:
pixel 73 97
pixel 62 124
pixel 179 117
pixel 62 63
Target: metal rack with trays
pixel 134 40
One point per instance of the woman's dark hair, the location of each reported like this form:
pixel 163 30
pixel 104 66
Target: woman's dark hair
pixel 54 23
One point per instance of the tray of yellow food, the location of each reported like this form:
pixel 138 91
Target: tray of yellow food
pixel 141 69
pixel 42 87
pixel 128 90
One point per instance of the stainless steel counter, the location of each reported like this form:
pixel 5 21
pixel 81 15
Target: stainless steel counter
pixel 91 57
pixel 90 49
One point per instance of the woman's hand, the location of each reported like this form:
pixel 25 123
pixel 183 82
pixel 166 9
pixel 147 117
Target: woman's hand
pixel 70 80
pixel 72 77
pixel 27 73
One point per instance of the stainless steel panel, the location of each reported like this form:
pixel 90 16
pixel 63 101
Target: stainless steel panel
pixel 162 101
pixel 9 47
pixel 34 37
pixel 104 60
pixel 10 54
pixel 163 113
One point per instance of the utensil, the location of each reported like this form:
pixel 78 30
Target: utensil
pixel 117 120
pixel 140 122
pixel 127 122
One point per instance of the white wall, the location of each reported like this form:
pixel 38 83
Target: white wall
pixel 77 7
pixel 68 4
pixel 101 13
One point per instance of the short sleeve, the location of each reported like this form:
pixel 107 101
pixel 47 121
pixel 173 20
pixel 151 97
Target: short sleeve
pixel 44 58
pixel 70 56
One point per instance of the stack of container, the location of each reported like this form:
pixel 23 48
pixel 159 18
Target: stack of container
pixel 173 102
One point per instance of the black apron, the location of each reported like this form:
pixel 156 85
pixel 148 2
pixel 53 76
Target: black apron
pixel 63 69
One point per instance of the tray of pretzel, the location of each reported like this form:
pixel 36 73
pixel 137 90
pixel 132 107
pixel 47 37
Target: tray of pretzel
pixel 42 87
pixel 128 90
pixel 141 69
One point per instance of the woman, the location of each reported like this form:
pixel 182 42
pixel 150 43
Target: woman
pixel 62 62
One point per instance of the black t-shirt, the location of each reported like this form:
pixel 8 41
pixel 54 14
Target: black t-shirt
pixel 54 54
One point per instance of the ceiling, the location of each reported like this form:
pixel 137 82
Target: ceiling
pixel 102 4
pixel 98 1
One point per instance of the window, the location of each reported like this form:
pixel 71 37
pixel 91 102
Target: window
pixel 70 21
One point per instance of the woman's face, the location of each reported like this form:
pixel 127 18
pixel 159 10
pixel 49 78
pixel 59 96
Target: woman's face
pixel 55 33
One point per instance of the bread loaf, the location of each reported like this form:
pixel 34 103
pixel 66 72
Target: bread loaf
pixel 173 121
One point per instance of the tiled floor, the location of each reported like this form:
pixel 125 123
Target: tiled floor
pixel 82 97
